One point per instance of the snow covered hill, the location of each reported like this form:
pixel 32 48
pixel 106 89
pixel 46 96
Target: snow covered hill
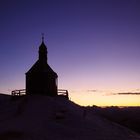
pixel 55 118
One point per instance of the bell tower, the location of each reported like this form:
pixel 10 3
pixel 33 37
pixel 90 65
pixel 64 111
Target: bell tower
pixel 43 51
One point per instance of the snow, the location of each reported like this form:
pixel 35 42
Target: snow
pixel 49 118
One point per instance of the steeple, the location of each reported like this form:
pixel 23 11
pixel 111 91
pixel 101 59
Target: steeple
pixel 43 51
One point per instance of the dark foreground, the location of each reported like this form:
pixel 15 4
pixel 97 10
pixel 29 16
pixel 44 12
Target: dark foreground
pixel 126 116
pixel 56 118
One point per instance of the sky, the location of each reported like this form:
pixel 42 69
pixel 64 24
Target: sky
pixel 93 45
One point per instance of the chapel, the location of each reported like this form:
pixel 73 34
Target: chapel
pixel 41 79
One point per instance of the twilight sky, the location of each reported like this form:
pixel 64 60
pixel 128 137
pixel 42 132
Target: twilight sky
pixel 93 45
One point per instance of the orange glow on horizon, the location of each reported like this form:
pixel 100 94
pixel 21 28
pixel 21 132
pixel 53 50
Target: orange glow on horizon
pixel 103 99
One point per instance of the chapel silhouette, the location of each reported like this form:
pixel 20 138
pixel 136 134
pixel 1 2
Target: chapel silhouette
pixel 41 79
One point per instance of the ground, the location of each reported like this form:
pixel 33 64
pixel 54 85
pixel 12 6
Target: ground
pixel 49 118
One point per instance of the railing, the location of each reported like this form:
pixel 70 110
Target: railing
pixel 60 92
pixel 18 92
pixel 63 92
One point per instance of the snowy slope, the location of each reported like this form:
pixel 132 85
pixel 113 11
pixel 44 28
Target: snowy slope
pixel 47 118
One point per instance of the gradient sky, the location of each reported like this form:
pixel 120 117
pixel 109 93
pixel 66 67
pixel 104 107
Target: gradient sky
pixel 93 45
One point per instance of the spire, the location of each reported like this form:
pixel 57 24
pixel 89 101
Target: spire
pixel 43 51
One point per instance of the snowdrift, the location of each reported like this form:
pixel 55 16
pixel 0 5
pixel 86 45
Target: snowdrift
pixel 50 118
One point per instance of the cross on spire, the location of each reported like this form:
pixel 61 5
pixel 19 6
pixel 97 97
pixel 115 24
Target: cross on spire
pixel 42 37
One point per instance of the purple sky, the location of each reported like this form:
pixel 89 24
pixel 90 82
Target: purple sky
pixel 92 44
